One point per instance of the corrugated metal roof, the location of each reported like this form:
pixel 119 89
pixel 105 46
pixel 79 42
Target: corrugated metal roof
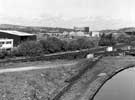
pixel 16 33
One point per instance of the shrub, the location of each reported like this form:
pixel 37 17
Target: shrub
pixel 3 53
pixel 52 45
pixel 80 43
pixel 125 38
pixel 73 45
pixel 107 40
pixel 14 52
pixel 85 43
pixel 30 48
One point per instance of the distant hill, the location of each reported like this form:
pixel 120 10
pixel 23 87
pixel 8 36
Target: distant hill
pixel 121 30
pixel 126 29
pixel 33 29
pixel 108 31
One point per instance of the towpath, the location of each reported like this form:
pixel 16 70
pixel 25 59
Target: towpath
pixel 28 68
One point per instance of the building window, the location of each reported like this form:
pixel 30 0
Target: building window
pixel 8 42
pixel 2 42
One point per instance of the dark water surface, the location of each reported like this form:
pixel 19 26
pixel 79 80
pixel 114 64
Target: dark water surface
pixel 120 87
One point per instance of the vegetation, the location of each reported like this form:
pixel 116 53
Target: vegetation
pixel 3 53
pixel 107 40
pixel 47 46
pixel 30 48
pixel 42 84
pixel 53 44
pixel 123 39
pixel 81 43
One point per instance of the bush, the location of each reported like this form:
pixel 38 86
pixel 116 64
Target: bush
pixel 3 53
pixel 14 52
pixel 64 46
pixel 125 39
pixel 81 43
pixel 73 45
pixel 52 45
pixel 107 40
pixel 85 43
pixel 30 48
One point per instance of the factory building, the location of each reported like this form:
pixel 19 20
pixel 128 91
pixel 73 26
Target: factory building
pixel 82 29
pixel 18 37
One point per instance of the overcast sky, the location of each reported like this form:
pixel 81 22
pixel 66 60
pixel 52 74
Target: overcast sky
pixel 68 9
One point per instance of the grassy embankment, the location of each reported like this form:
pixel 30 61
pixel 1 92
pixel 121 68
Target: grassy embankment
pixel 41 84
pixel 91 81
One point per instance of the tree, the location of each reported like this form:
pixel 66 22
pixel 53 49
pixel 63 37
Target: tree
pixel 123 39
pixel 52 45
pixel 81 43
pixel 30 48
pixel 107 40
pixel 85 43
pixel 73 45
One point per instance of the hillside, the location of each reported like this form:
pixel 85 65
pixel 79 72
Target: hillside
pixel 121 30
pixel 36 29
pixel 32 29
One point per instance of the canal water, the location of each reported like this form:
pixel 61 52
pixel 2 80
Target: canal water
pixel 120 87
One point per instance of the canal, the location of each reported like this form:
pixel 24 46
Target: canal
pixel 120 87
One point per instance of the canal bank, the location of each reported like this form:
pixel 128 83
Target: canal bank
pixel 119 87
pixel 92 81
pixel 101 81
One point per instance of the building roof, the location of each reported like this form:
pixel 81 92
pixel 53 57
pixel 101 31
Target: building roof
pixel 16 33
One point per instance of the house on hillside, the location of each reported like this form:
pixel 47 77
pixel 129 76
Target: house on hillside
pixel 17 37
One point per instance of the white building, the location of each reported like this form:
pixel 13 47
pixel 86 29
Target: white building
pixel 6 43
pixel 95 34
pixel 79 33
pixel 109 49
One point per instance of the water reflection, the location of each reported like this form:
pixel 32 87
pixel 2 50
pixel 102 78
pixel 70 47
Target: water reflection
pixel 120 87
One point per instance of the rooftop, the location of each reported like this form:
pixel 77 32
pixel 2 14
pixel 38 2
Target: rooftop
pixel 16 33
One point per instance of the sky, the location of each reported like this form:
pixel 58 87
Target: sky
pixel 66 12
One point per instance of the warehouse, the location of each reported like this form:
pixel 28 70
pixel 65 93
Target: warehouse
pixel 18 37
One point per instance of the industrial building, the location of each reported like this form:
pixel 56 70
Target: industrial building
pixel 6 44
pixel 18 37
pixel 82 29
